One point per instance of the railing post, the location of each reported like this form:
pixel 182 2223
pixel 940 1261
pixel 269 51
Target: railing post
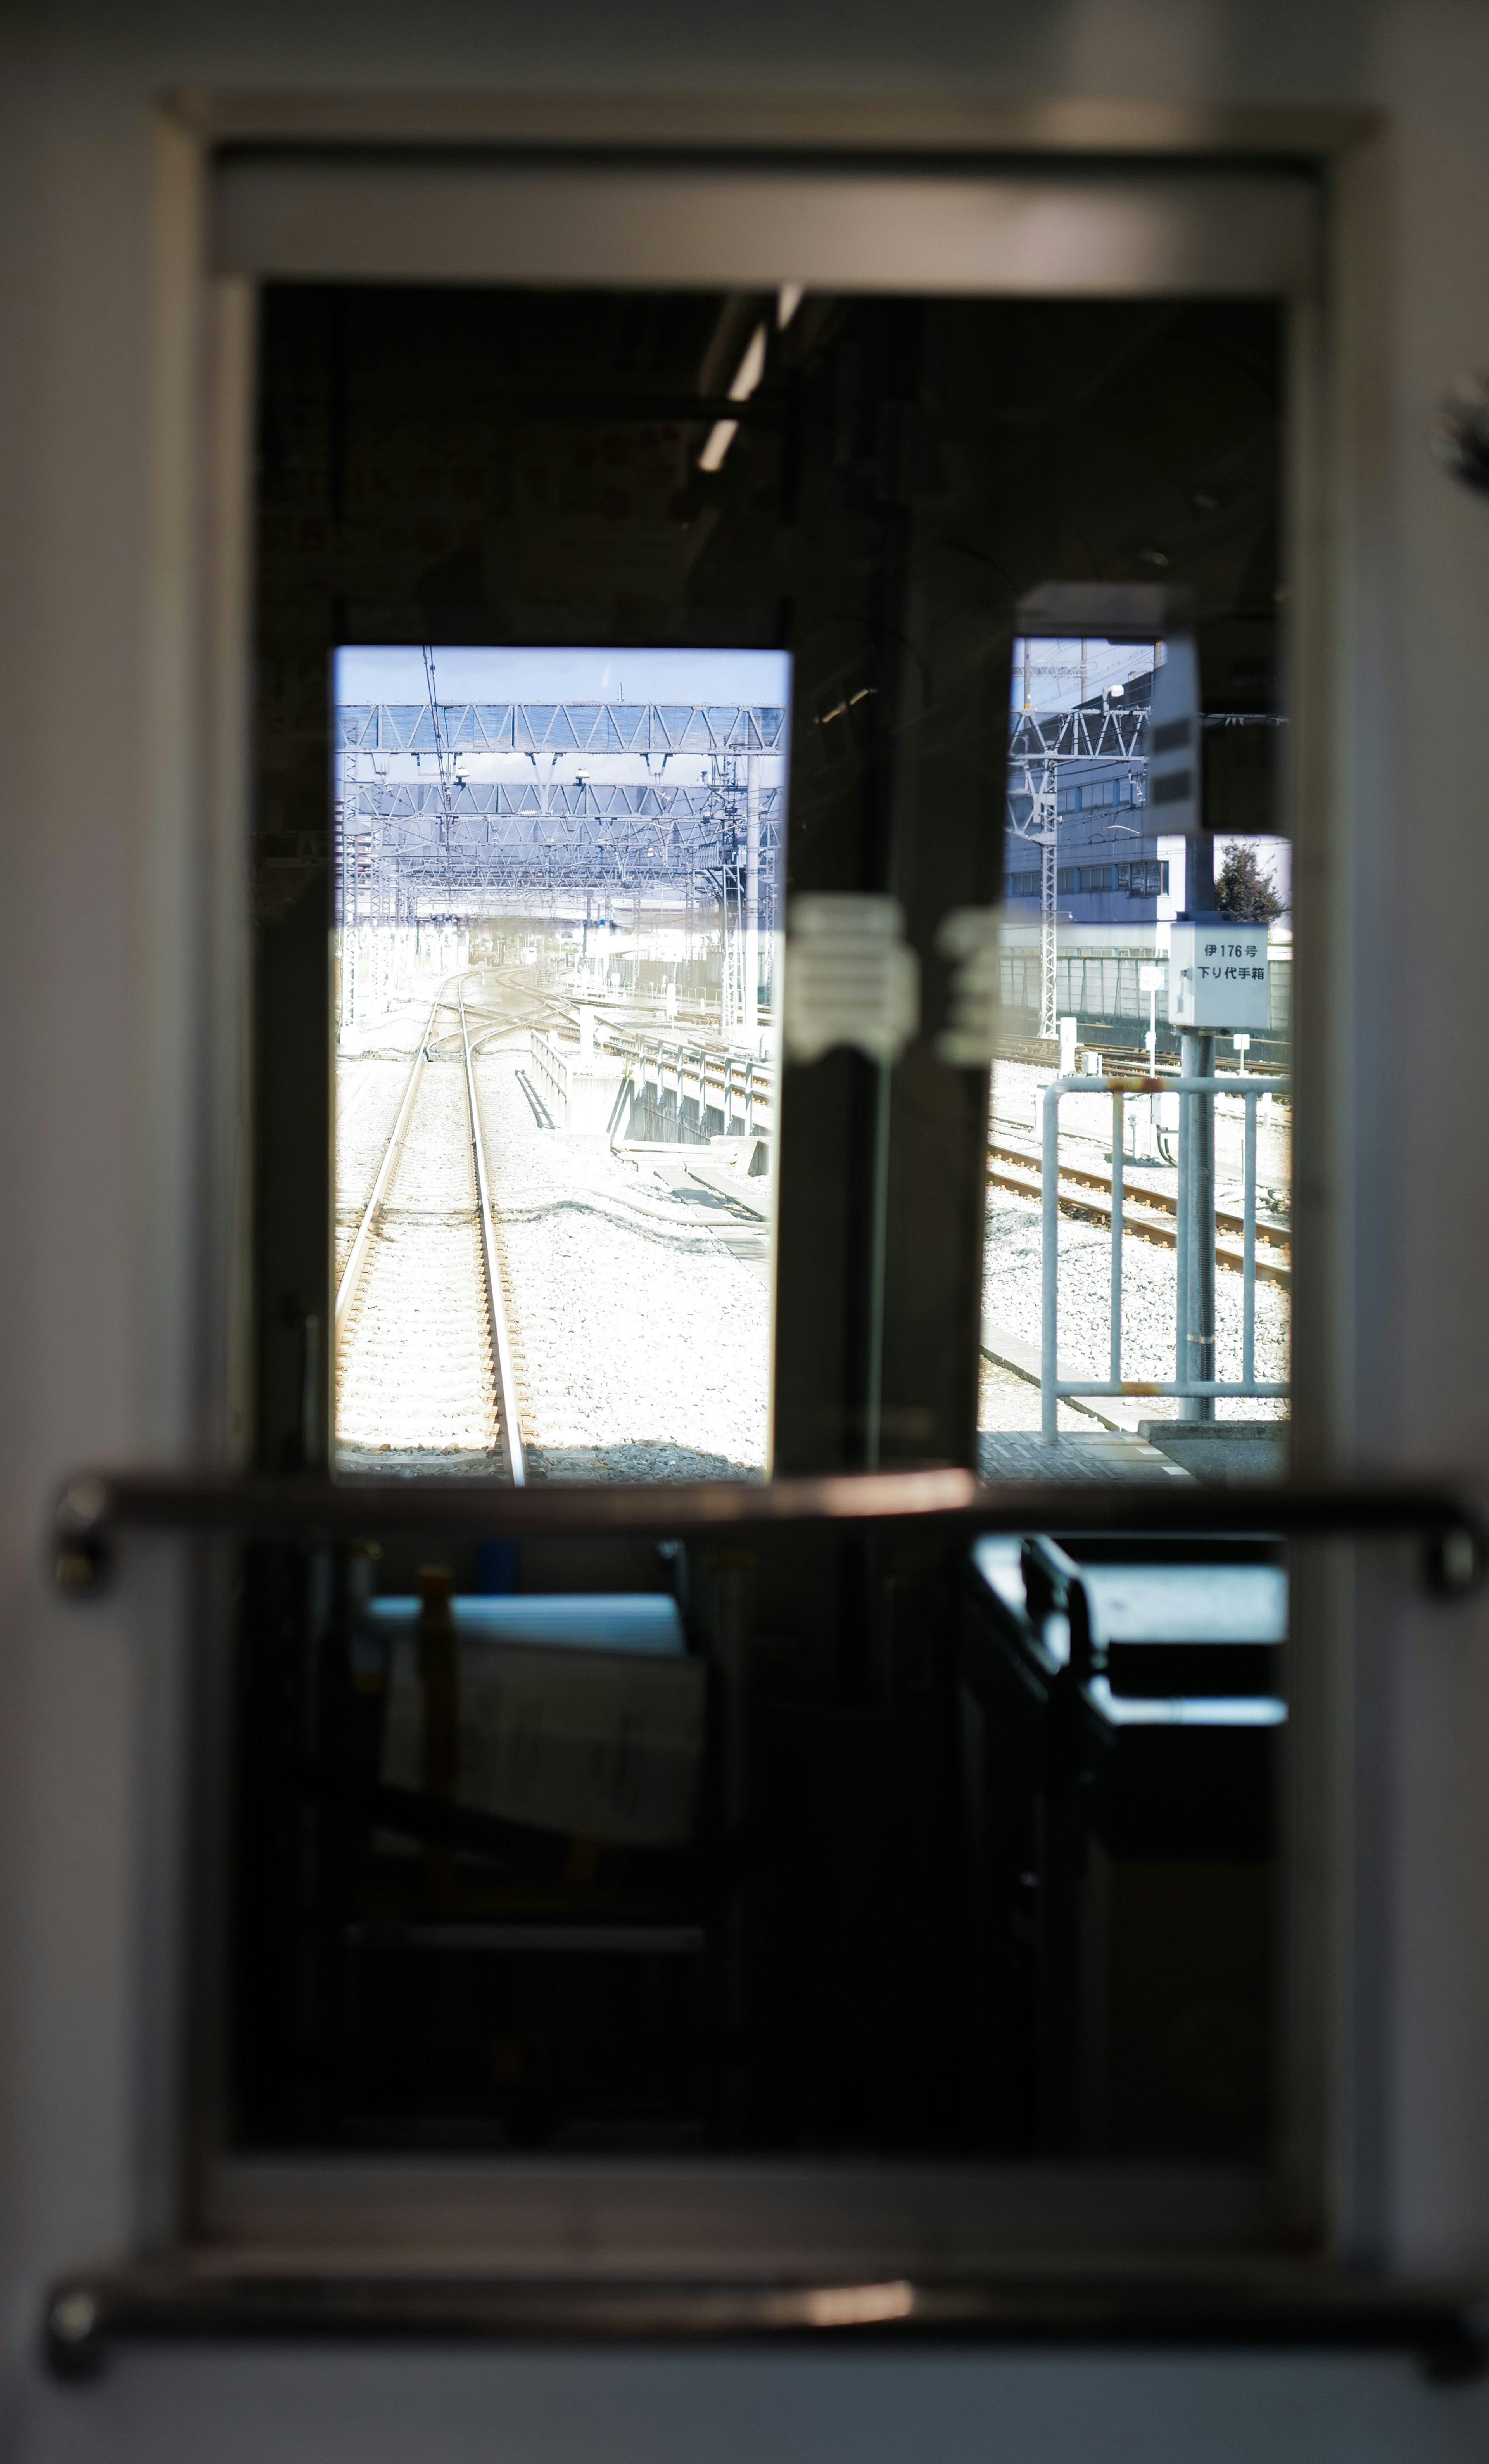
pixel 1196 1314
pixel 1195 1389
pixel 1049 1261
pixel 1202 1272
pixel 1118 1124
pixel 1249 1246
pixel 1181 1213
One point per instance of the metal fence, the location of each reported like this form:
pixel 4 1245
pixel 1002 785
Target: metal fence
pixel 1194 1252
pixel 1105 984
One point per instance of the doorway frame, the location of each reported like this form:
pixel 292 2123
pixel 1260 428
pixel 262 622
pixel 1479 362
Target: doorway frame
pixel 1324 2193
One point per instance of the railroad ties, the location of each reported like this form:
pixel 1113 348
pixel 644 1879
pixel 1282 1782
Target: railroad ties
pixel 424 1364
pixel 1146 1214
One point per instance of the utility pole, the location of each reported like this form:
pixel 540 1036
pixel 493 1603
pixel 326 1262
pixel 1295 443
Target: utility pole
pixel 441 755
pixel 1041 829
pixel 1049 877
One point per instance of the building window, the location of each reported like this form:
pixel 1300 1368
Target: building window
pixel 1143 880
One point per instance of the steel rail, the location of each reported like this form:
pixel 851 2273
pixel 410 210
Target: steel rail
pixel 1272 1262
pixel 1136 1193
pixel 501 1333
pixel 357 1256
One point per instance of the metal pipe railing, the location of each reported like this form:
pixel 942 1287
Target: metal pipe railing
pixel 1249 1248
pixel 1281 2304
pixel 742 1083
pixel 1194 1321
pixel 98 1507
pixel 1190 1234
pixel 1118 1103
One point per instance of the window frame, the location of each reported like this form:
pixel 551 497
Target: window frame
pixel 748 2215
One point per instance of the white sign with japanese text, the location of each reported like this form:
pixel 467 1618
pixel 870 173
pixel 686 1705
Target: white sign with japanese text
pixel 1217 975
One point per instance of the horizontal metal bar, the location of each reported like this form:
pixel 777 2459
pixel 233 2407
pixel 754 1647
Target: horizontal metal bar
pixel 1247 1088
pixel 210 1503
pixel 97 1506
pixel 1276 2308
pixel 1170 1386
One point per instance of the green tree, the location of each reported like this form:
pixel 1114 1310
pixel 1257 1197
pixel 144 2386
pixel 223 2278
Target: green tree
pixel 1242 889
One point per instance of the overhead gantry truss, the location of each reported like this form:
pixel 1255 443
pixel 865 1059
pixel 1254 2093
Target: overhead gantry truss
pixel 555 796
pixel 1042 743
pixel 1094 732
pixel 659 729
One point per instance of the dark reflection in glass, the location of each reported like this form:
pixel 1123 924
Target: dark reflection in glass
pixel 847 1845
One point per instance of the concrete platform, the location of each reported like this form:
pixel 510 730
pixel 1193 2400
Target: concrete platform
pixel 1224 1453
pixel 1105 1455
pixel 1112 1411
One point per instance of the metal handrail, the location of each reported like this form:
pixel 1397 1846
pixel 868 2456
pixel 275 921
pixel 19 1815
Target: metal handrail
pixel 1051 1386
pixel 1283 2305
pixel 96 1507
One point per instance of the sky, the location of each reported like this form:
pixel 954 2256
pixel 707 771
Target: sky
pixel 760 679
pixel 1055 666
pixel 753 679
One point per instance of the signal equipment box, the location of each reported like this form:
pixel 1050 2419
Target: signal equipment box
pixel 1217 975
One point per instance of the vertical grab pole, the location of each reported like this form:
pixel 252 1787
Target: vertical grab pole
pixel 1116 1235
pixel 1249 1248
pixel 1049 1260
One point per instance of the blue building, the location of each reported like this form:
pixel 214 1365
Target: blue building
pixel 1112 868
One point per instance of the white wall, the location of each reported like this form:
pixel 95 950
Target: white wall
pixel 96 1269
pixel 542 2408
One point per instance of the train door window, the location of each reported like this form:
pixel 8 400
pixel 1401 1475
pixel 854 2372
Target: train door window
pixel 1138 1272
pixel 608 1130
pixel 1126 1697
pixel 558 872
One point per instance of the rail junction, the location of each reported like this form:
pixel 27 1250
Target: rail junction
pixel 519 1303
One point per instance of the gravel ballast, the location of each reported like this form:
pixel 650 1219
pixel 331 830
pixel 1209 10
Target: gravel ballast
pixel 645 1334
pixel 415 1376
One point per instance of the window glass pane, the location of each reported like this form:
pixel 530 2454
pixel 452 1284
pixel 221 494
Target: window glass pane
pixel 554 988
pixel 1146 950
pixel 848 1843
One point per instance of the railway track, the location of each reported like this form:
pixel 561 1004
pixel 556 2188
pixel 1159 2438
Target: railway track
pixel 1146 1214
pixel 426 1359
